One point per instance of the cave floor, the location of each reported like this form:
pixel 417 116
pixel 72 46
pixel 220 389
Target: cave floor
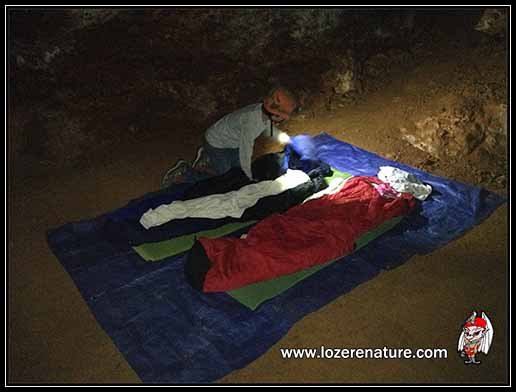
pixel 54 338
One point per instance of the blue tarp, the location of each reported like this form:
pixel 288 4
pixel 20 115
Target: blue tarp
pixel 168 332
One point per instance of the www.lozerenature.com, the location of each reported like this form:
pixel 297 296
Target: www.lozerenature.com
pixel 363 353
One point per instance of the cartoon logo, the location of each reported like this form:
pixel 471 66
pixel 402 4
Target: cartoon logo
pixel 476 336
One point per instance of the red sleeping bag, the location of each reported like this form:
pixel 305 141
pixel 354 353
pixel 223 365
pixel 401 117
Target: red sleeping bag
pixel 308 234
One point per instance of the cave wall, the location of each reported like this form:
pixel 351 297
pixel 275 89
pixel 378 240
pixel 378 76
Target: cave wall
pixel 82 80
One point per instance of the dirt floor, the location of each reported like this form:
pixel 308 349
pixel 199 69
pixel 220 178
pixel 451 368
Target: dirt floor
pixel 54 338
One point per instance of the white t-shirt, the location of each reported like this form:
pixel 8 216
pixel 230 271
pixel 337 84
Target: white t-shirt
pixel 239 130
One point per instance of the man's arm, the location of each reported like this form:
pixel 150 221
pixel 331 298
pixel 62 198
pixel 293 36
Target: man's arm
pixel 246 153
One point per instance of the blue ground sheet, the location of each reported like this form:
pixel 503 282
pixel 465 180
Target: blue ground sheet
pixel 169 332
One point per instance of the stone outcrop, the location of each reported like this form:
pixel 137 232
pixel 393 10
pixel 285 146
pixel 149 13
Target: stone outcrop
pixel 458 131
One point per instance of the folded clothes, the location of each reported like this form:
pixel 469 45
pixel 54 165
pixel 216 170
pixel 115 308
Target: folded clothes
pixel 403 181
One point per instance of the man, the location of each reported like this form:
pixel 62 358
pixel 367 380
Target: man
pixel 230 141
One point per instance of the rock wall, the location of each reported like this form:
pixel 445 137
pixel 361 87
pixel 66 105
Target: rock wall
pixel 460 129
pixel 85 79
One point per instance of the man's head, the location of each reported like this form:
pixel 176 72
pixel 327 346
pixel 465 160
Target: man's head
pixel 279 104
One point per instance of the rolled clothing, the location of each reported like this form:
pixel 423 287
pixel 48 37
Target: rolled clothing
pixel 231 204
pixel 131 233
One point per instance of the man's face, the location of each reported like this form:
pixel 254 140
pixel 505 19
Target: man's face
pixel 277 119
pixel 274 117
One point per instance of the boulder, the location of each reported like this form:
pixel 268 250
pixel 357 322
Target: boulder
pixel 493 22
pixel 458 132
pixel 341 79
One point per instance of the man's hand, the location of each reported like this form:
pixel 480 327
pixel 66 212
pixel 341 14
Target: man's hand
pixel 283 138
